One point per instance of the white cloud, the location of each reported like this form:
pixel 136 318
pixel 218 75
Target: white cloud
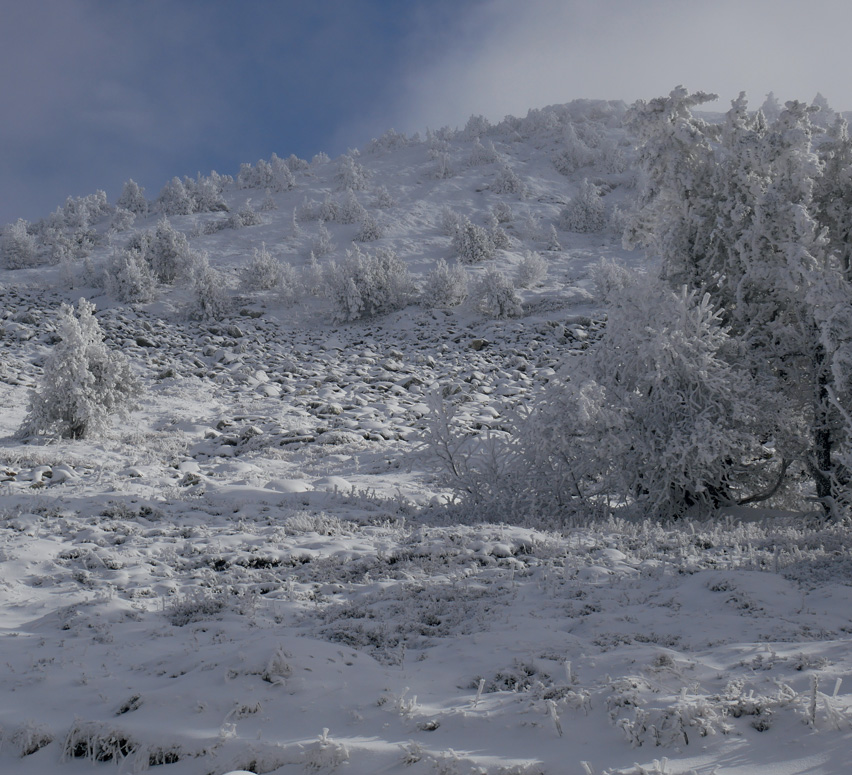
pixel 505 56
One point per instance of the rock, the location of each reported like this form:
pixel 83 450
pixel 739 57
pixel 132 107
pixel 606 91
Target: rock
pixel 478 344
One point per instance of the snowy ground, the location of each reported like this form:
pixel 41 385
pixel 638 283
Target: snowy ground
pixel 257 571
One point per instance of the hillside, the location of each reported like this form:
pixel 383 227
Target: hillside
pixel 260 568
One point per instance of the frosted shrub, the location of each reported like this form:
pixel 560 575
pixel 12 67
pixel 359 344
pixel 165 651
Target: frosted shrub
pixel 263 271
pixel 245 216
pixel 313 277
pixel 495 296
pixel 531 271
pixel 296 164
pixel 655 413
pixel 369 231
pixel 507 182
pixel 482 154
pixel 351 176
pixel 128 277
pixel 472 243
pixel 322 244
pixel 209 291
pixel 133 198
pixel 174 199
pixel 585 212
pixel 18 246
pixel 445 286
pixel 206 194
pixel 443 168
pixel 168 253
pixel 384 200
pixel 368 284
pixel 502 212
pixel 350 209
pixel 84 384
pixel 450 222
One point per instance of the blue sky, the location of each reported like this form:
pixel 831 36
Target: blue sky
pixel 98 91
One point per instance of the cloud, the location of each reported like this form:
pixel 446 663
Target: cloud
pixel 503 57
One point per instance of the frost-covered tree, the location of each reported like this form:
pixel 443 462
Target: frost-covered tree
pixel 84 383
pixel 531 270
pixel 168 252
pixel 17 246
pixel 174 199
pixel 507 181
pixel 210 300
pixel 657 412
pixel 133 198
pixel 742 211
pixel 494 295
pixel 128 277
pixel 351 176
pixel 367 284
pixel 471 243
pixel 445 286
pixel 586 212
pixel 370 229
pixel 263 271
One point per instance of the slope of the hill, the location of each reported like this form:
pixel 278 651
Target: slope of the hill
pixel 255 571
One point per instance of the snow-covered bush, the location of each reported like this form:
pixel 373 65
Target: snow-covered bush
pixel 450 221
pixel 482 154
pixel 168 253
pixel 494 295
pixel 531 271
pixel 84 383
pixel 275 175
pixel 445 286
pixel 507 182
pixel 351 176
pixel 133 198
pixel 502 212
pixel 313 277
pixel 368 284
pixel 322 244
pixel 350 210
pixel 471 243
pixel 174 199
pixel 18 247
pixel 384 199
pixel 206 194
pixel 369 231
pixel 263 271
pixel 245 216
pixel 586 212
pixel 128 277
pixel 210 300
pixel 443 168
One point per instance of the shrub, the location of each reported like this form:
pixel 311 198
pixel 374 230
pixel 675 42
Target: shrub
pixel 351 176
pixel 365 284
pixel 585 212
pixel 263 271
pixel 133 198
pixel 174 199
pixel 495 296
pixel 128 277
pixel 83 384
pixel 531 271
pixel 472 243
pixel 370 230
pixel 445 286
pixel 168 253
pixel 209 291
pixel 507 182
pixel 18 246
pixel 350 210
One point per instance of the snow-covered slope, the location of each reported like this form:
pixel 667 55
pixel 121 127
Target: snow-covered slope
pixel 257 570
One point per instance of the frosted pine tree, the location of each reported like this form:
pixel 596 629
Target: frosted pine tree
pixel 84 383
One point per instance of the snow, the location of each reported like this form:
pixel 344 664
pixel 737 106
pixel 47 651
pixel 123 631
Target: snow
pixel 258 572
